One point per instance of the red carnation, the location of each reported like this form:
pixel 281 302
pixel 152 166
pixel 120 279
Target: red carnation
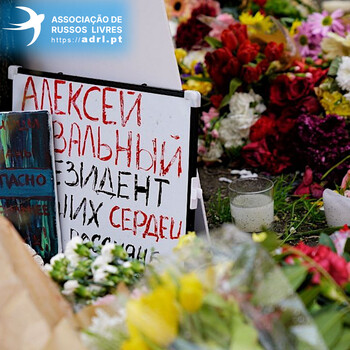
pixel 286 91
pixel 258 154
pixel 309 105
pixel 273 51
pixel 247 51
pixel 263 127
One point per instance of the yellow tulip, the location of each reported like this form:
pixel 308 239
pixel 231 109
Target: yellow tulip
pixel 155 316
pixel 191 292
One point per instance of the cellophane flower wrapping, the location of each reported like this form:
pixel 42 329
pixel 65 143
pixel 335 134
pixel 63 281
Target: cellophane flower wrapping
pixel 227 294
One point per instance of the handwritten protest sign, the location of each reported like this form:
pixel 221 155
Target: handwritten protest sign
pixel 27 188
pixel 123 158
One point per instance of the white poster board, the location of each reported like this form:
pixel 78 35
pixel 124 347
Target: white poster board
pixel 124 158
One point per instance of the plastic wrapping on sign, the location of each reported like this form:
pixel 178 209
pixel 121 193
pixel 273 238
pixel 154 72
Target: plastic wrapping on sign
pixel 226 295
pixel 336 208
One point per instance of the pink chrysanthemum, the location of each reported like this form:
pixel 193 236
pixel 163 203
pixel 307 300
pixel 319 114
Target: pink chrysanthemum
pixel 307 42
pixel 322 23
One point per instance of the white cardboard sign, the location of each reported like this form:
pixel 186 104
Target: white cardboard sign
pixel 122 158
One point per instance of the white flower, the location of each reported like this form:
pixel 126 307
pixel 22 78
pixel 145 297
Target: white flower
pixel 57 257
pixel 245 110
pixel 69 287
pixel 104 325
pixel 107 251
pixel 234 130
pixel 246 103
pixel 70 253
pixel 215 151
pixel 100 261
pixel 127 264
pixel 48 268
pixel 100 275
pixel 343 74
pixel 110 269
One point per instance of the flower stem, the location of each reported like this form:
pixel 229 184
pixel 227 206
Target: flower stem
pixel 334 167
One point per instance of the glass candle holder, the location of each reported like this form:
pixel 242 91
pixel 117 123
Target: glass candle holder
pixel 251 202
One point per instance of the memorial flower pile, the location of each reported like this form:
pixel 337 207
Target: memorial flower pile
pixel 207 297
pixel 85 272
pixel 275 95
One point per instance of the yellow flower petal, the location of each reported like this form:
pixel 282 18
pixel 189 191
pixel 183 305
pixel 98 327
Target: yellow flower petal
pixel 155 316
pixel 180 54
pixel 191 292
pixel 185 240
pixel 134 343
pixel 259 237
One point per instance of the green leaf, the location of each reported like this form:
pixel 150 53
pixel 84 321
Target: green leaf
pixel 329 323
pixel 344 341
pixel 333 68
pixel 308 296
pixel 327 241
pixel 271 242
pixel 295 274
pixel 234 85
pixel 213 42
pixel 346 256
pixel 244 335
pixel 225 101
pixel 347 246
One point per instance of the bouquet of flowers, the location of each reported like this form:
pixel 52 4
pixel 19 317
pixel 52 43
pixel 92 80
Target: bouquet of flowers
pixel 274 93
pixel 85 272
pixel 229 295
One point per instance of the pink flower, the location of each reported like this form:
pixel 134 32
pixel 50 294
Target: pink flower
pixel 215 134
pixel 207 117
pixel 220 23
pixel 308 43
pixel 339 239
pixel 322 23
pixel 345 184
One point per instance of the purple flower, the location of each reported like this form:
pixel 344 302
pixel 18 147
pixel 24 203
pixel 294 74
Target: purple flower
pixel 321 143
pixel 198 68
pixel 322 23
pixel 309 44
